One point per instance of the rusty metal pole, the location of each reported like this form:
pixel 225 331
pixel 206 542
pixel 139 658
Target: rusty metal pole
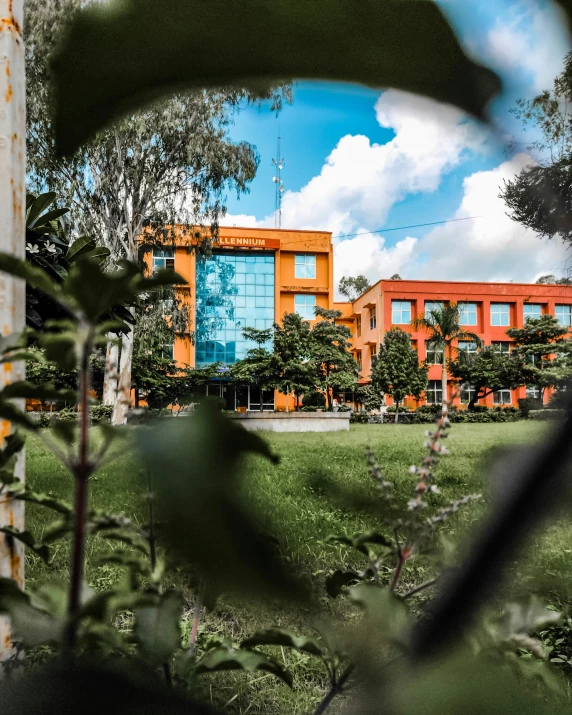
pixel 12 240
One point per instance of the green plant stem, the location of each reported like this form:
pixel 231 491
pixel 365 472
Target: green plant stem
pixel 82 471
pixel 152 538
pixel 196 620
pixel 336 689
pixel 397 572
pixel 421 587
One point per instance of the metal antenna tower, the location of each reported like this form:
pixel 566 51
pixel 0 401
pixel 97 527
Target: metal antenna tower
pixel 279 164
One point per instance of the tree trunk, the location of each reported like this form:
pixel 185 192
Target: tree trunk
pixel 111 372
pixel 473 401
pixel 396 420
pixel 12 241
pixel 444 376
pixel 121 407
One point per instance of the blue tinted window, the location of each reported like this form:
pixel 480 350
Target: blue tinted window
pixel 305 266
pixel 233 291
pixel 304 305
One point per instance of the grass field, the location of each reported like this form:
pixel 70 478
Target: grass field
pixel 301 506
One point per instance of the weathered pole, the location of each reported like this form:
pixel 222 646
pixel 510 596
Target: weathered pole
pixel 12 240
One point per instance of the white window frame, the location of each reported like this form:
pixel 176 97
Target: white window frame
pixel 500 314
pixel 163 261
pixel 471 349
pixel 305 314
pixel 373 317
pixel 435 392
pixel 533 391
pixel 305 266
pixel 395 311
pixel 563 314
pixel 531 305
pixel 467 392
pixel 466 311
pixel 502 397
pixel 433 305
pixel 436 351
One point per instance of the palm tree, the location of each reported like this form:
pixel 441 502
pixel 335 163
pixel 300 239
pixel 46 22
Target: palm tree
pixel 443 327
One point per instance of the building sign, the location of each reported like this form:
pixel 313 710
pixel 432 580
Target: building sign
pixel 237 242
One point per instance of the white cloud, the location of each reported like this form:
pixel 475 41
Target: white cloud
pixel 487 249
pixel 361 181
pixel 533 41
pixel 368 255
pixel 243 221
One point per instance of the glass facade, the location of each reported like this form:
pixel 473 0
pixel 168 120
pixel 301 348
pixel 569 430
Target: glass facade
pixel 233 291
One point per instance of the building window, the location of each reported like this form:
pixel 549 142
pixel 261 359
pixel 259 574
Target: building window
pixel 164 258
pixel 436 305
pixel 500 314
pixel 234 290
pixel 533 391
pixel 434 353
pixel 563 314
pixel 168 351
pixel 468 346
pixel 305 265
pixel 372 318
pixel 434 392
pixel 304 305
pixel 467 393
pixel 502 345
pixel 358 359
pixel 468 314
pixel 502 397
pixel 358 326
pixel 372 351
pixel 400 312
pixel 532 310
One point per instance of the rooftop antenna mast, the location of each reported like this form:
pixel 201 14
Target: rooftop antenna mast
pixel 279 164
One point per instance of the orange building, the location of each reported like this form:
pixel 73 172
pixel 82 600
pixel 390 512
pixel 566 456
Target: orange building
pixel 255 276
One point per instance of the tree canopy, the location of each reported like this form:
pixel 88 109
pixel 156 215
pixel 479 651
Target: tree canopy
pixel 396 370
pixel 352 287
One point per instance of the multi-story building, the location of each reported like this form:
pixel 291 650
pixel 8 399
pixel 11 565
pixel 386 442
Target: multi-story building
pixel 255 276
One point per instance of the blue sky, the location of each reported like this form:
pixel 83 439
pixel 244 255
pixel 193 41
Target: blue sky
pixel 359 161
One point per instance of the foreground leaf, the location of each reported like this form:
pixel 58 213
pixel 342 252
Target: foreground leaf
pixel 31 625
pixel 103 70
pixel 283 637
pixel 157 628
pixel 26 538
pixel 204 511
pixel 242 659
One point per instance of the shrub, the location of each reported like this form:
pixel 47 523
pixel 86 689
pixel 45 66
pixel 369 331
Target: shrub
pixel 44 419
pixel 360 418
pixel 101 413
pixel 148 414
pixel 314 399
pixel 65 415
pixel 525 404
pixel 547 414
pixel 558 400
pixel 309 408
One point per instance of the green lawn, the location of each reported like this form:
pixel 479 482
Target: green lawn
pixel 302 504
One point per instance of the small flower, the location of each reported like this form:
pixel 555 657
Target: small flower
pixel 50 247
pixel 31 248
pixel 412 469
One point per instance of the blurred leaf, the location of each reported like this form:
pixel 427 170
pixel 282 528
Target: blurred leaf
pixel 61 349
pixel 157 628
pixel 13 444
pixel 102 69
pixel 134 562
pixel 38 205
pixel 528 616
pixel 283 637
pixel 79 247
pixel 9 411
pixel 59 505
pixel 29 391
pixel 74 689
pixel 66 431
pixel 204 512
pixel 387 615
pixel 31 625
pixel 34 276
pixel 128 536
pixel 338 581
pixel 360 541
pixel 242 659
pixel 42 550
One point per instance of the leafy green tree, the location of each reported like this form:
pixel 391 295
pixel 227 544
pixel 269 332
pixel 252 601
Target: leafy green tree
pixel 295 371
pixel 369 397
pixel 396 370
pixel 335 366
pixel 168 166
pixel 552 279
pixel 488 371
pixel 546 348
pixel 352 287
pixel 540 196
pixel 443 327
pixel 258 366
